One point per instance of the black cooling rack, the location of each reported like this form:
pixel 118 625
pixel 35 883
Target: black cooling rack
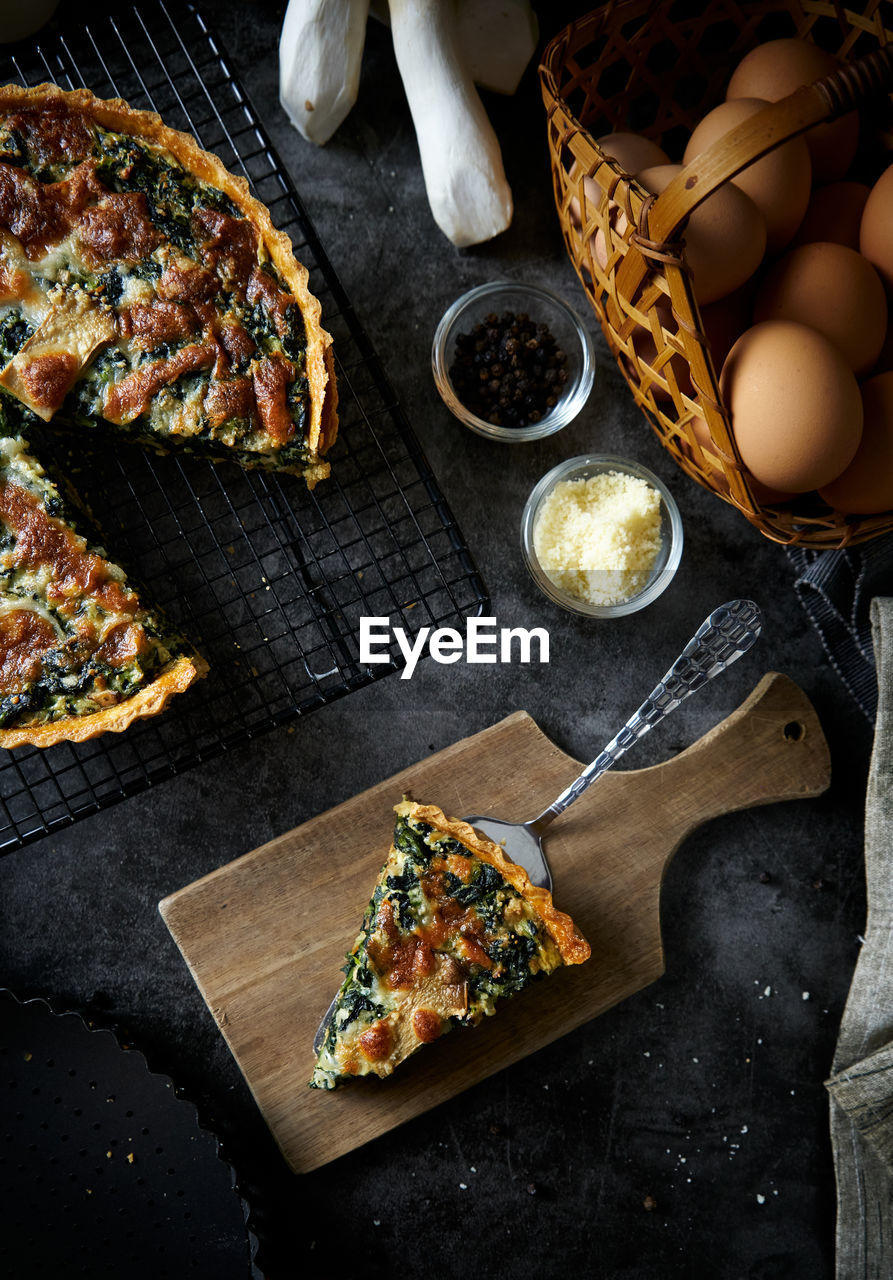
pixel 267 579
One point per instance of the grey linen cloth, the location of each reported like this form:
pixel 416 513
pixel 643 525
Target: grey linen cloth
pixel 861 1083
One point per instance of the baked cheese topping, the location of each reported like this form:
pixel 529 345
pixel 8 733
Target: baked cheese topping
pixel 74 638
pixel 451 927
pixel 134 294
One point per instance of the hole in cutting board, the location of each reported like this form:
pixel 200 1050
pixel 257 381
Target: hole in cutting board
pixel 794 731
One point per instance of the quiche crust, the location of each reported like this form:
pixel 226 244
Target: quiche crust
pixel 148 702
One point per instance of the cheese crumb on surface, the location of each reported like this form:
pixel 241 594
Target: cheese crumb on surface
pixel 598 538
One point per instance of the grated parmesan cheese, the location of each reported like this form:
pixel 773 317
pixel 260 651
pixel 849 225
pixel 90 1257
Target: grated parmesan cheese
pixel 598 538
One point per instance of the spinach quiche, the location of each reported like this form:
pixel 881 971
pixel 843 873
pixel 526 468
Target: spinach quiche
pixel 80 654
pixel 452 926
pixel 145 291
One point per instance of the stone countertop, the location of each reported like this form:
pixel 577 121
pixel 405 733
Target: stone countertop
pixel 705 1090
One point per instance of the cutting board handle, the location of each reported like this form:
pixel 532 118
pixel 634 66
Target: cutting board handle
pixel 772 748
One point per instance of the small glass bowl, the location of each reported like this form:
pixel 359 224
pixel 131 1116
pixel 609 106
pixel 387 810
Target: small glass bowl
pixel 668 557
pixel 543 307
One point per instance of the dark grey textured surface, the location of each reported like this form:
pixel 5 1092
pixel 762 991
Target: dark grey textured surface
pixel 704 1091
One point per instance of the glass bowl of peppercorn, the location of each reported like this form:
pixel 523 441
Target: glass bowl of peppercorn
pixel 513 361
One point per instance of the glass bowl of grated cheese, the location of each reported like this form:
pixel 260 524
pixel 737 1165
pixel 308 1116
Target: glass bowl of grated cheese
pixel 601 536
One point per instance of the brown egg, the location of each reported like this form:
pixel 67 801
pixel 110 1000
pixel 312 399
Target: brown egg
pixel 876 231
pixel 708 457
pixel 592 198
pixel 724 321
pixel 885 359
pixel 778 184
pixel 725 238
pixel 795 406
pixel 598 244
pixel 598 247
pixel 866 486
pixel 632 151
pixel 832 289
pixel 774 70
pixel 834 214
pixel 761 492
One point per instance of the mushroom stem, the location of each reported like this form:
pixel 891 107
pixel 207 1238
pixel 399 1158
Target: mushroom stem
pixel 320 52
pixel 461 160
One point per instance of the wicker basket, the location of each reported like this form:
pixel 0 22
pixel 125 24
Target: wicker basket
pixel 657 69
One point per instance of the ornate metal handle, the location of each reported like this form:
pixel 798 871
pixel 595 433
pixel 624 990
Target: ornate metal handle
pixel 728 632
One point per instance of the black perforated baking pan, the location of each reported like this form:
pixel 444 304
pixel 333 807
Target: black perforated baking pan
pixel 104 1169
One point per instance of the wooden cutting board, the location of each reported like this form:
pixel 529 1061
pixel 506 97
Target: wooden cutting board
pixel 265 936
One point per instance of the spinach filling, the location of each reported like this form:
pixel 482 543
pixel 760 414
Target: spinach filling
pixel 111 286
pixel 513 950
pixel 12 147
pixel 16 705
pixel 15 418
pixel 70 677
pixel 512 958
pixel 403 901
pixel 410 840
pixel 172 195
pixel 294 343
pixel 126 165
pixel 61 691
pixel 355 999
pixel 14 333
pixel 148 269
pixel 65 690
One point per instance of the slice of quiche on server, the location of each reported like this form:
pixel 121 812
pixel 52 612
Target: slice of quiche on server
pixel 80 653
pixel 452 926
pixel 144 289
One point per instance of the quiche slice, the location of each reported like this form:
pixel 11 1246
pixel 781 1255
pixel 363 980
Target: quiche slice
pixel 452 926
pixel 144 290
pixel 80 654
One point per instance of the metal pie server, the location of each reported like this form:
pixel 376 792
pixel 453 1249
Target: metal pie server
pixel 728 632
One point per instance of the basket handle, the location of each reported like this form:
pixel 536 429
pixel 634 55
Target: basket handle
pixel 769 128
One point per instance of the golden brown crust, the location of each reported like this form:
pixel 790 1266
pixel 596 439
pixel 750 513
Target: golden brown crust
pixel 148 702
pixel 117 115
pixel 573 946
pixel 328 430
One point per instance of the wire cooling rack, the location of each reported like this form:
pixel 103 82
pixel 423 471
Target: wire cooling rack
pixel 266 578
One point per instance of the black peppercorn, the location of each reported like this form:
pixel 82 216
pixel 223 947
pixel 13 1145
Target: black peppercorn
pixel 508 370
